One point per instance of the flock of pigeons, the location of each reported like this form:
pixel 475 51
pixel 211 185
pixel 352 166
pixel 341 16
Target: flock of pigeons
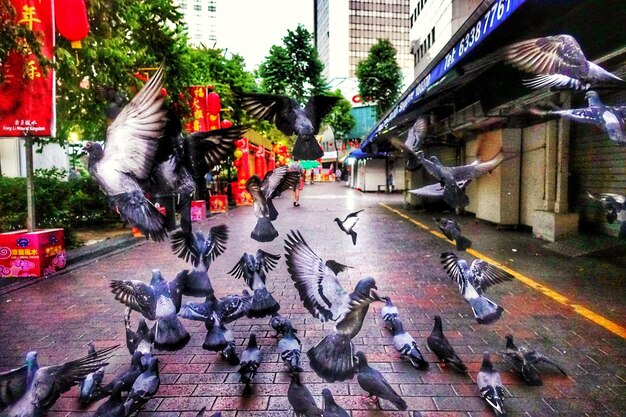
pixel 147 152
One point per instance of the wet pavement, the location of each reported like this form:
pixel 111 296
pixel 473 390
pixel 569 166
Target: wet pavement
pixel 58 316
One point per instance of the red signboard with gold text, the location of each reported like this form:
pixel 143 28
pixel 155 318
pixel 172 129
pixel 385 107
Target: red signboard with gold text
pixel 198 107
pixel 27 95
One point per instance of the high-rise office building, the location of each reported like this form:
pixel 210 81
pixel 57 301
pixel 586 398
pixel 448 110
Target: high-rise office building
pixel 345 30
pixel 201 18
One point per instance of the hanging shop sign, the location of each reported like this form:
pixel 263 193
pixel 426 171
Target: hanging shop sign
pixel 27 93
pixel 198 105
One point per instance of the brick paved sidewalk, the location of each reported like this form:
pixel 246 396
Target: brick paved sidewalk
pixel 58 316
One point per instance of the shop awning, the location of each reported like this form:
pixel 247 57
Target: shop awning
pixel 466 70
pixel 329 156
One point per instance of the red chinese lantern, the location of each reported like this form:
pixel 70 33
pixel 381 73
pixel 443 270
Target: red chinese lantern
pixel 71 20
pixel 226 124
pixel 240 143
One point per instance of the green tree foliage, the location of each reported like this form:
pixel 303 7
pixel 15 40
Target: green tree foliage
pixel 340 118
pixel 379 76
pixel 293 69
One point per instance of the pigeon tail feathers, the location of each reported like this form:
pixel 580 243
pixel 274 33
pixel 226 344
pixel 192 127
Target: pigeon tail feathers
pixel 332 358
pixel 170 335
pixel 485 310
pixel 463 243
pixel 307 148
pixel 263 304
pixel 264 230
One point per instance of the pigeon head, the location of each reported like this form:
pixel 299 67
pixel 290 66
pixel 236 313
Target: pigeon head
pixel 337 220
pixel 361 360
pixel 486 365
pixel 94 149
pixel 593 98
pixel 153 365
pixel 136 358
pixel 463 265
pixel 438 323
pixel 31 359
pixel 156 277
pixel 509 342
pixel 252 342
pixel 434 160
pixel 328 397
pixel 388 302
pixel 364 286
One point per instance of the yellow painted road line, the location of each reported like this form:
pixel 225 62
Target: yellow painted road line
pixel 577 308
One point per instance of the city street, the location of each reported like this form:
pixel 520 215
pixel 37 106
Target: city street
pixel 569 308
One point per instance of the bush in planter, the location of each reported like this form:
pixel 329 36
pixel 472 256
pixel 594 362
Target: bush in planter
pixel 70 204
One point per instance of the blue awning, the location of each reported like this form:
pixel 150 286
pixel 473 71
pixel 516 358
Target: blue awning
pixel 489 16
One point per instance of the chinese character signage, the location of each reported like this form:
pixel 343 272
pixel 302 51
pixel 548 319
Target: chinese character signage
pixel 27 94
pixel 198 108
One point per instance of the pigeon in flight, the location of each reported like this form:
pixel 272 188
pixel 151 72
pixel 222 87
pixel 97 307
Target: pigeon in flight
pixel 232 307
pixel 201 250
pixel 128 156
pixel 448 176
pixel 31 390
pixel 331 408
pixel 287 115
pixel 435 191
pixel 514 357
pixel 407 346
pixel 301 399
pixel 346 225
pixel 89 388
pixel 414 142
pixel 253 269
pixel 141 340
pixel 438 343
pixel 333 357
pixel 614 205
pixel 451 229
pixel 490 386
pixel 144 388
pixel 375 384
pixel 159 301
pixel 557 61
pixel 389 313
pixel 473 281
pixel 290 347
pixel 532 356
pixel 250 360
pixel 263 193
pixel 608 118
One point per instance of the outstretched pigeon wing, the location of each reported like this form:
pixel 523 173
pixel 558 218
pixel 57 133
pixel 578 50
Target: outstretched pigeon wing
pixel 316 283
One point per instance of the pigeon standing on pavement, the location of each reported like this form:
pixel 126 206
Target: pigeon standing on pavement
pixel 346 225
pixel 473 281
pixel 290 347
pixel 128 376
pixel 614 206
pixel 250 360
pixel 141 340
pixel 114 405
pixel 514 357
pixel 253 269
pixel 407 346
pixel 441 347
pixel 333 357
pixel 30 390
pixel 89 387
pixel 451 229
pixel 290 118
pixel 144 388
pixel 201 250
pixel 159 301
pixel 128 157
pixel 331 408
pixel 375 384
pixel 559 62
pixel 389 313
pixel 608 118
pixel 532 356
pixel 301 399
pixel 490 386
pixel 279 324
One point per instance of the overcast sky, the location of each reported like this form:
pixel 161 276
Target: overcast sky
pixel 250 27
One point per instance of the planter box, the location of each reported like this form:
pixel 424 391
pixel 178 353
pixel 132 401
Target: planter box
pixel 198 210
pixel 32 254
pixel 241 195
pixel 218 203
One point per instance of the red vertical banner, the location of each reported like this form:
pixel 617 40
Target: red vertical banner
pixel 27 94
pixel 198 107
pixel 214 106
